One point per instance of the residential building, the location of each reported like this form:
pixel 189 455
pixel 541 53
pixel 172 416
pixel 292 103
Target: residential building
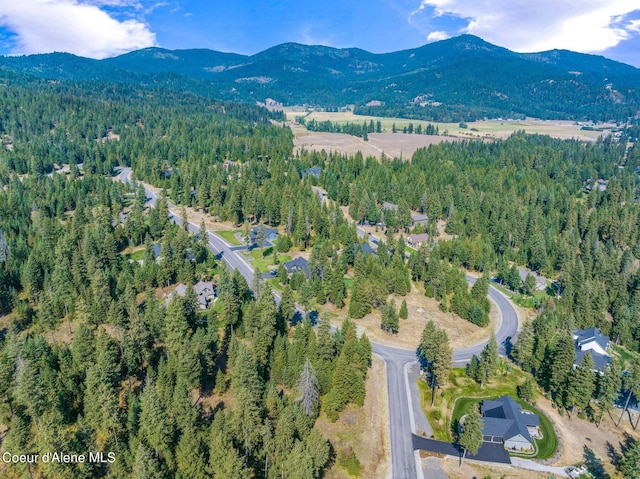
pixel 296 265
pixel 505 422
pixel 313 171
pixel 270 235
pixel 592 341
pixel 541 281
pixel 206 292
pixel 416 241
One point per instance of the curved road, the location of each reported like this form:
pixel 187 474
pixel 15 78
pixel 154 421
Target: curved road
pixel 401 422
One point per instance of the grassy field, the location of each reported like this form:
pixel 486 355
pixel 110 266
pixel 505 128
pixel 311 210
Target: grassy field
pixel 456 398
pixel 229 236
pixel 482 129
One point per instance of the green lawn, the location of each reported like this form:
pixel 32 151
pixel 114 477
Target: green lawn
pixel 524 300
pixel 229 236
pixel 626 356
pixel 135 255
pixel 456 398
pixel 262 259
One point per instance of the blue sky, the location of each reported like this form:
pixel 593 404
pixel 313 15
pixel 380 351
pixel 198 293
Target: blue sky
pixel 104 28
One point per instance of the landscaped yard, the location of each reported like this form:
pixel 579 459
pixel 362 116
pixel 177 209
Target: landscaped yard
pixel 230 236
pixel 263 260
pixel 456 398
pixel 524 300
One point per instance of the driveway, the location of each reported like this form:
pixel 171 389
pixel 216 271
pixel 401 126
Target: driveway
pixel 488 452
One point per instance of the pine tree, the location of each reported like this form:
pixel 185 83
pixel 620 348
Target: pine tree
pixel 299 463
pixel 308 389
pixel 247 390
pixel 190 455
pixel 145 465
pixel 581 384
pixel 389 321
pixel 629 465
pixel 489 360
pixel 404 312
pixel 609 386
pixel 470 437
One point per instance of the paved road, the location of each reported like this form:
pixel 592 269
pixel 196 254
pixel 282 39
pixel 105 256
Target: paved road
pixel 402 421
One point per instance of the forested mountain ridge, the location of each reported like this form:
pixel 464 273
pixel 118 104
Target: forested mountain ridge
pixel 462 78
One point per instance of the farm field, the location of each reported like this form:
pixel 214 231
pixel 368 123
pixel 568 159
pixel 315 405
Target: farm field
pixel 404 145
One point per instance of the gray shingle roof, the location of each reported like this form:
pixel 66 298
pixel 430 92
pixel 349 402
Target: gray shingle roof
pixel 600 361
pixel 298 264
pixel 585 336
pixel 504 418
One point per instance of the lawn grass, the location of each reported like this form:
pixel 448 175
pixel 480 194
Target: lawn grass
pixel 348 282
pixel 229 236
pixel 456 398
pixel 524 300
pixel 626 356
pixel 262 259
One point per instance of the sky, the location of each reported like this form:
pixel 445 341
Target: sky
pixel 106 28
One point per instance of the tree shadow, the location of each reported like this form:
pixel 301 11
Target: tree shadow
pixel 612 453
pixel 594 464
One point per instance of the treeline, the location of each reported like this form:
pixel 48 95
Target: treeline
pixel 355 129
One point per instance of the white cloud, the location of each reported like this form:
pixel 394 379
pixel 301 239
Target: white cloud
pixel 73 26
pixel 526 26
pixel 437 36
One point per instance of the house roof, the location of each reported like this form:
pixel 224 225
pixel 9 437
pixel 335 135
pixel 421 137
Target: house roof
pixel 313 171
pixel 504 418
pixel 269 233
pixel 600 361
pixel 203 289
pixel 420 238
pixel 389 206
pixel 586 336
pixel 364 248
pixel 415 217
pixel 524 272
pixel 298 264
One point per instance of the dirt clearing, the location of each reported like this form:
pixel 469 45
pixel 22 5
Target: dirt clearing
pixel 362 430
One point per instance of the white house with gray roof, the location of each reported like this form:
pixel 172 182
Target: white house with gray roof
pixel 592 341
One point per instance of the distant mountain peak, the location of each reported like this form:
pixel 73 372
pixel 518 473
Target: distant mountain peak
pixel 462 77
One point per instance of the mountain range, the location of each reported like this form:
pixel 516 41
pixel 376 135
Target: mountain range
pixel 461 78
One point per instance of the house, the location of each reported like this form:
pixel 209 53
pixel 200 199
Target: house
pixel 416 241
pixel 506 422
pixel 206 292
pixel 364 248
pixel 270 235
pixel 541 281
pixel 419 219
pixel 592 341
pixel 313 171
pixel 157 248
pixel 296 265
pixel 416 218
pixel 386 206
